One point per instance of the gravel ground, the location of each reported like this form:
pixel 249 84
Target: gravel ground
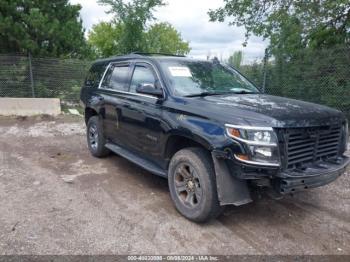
pixel 55 198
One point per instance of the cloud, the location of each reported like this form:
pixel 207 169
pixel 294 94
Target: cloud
pixel 190 18
pixel 92 13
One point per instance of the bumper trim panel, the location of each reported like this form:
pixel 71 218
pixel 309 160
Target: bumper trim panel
pixel 315 176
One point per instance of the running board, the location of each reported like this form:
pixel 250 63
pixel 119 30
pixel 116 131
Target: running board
pixel 148 165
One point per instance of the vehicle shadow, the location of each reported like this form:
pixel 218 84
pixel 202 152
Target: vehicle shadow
pixel 263 208
pixel 284 225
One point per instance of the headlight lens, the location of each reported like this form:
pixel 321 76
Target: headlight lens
pixel 253 136
pixel 260 142
pixel 264 154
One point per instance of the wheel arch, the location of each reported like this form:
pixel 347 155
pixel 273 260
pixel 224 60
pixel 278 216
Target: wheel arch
pixel 176 142
pixel 89 112
pixel 230 190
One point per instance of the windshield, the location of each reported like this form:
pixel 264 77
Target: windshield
pixel 192 78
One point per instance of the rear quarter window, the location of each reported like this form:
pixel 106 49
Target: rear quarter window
pixel 94 75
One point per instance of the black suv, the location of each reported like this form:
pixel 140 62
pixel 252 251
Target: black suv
pixel 209 130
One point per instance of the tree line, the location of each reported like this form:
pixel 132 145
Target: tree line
pixel 307 54
pixel 309 47
pixel 54 29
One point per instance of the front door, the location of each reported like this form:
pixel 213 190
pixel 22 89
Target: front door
pixel 141 114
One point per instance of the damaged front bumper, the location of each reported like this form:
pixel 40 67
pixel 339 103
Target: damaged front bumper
pixel 318 174
pixel 235 180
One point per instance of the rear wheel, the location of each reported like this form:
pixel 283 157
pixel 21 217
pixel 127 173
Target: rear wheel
pixel 95 139
pixel 192 185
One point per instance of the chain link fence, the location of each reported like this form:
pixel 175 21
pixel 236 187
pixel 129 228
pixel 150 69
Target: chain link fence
pixel 321 76
pixel 24 76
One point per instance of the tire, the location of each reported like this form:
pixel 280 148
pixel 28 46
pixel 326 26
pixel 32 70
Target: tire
pixel 95 139
pixel 195 198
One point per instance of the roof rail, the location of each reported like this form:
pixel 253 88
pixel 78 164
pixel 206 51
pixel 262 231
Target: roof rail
pixel 163 54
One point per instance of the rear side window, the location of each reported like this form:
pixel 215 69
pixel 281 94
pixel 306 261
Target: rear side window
pixel 94 75
pixel 142 75
pixel 116 78
pixel 119 78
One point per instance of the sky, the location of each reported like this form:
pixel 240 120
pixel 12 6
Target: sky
pixel 190 18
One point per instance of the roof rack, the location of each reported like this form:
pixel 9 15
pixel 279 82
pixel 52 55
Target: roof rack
pixel 163 54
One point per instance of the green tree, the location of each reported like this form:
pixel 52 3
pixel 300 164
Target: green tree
pixel 290 25
pixel 104 39
pixel 164 38
pixel 42 27
pixel 131 17
pixel 236 59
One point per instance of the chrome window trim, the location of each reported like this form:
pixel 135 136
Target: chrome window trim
pixel 128 93
pixel 103 76
pixel 131 93
pixel 257 163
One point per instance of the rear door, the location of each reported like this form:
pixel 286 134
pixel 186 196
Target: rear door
pixel 113 89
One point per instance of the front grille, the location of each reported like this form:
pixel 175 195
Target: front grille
pixel 307 145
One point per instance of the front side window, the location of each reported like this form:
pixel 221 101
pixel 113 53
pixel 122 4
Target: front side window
pixel 189 78
pixel 119 78
pixel 116 78
pixel 142 75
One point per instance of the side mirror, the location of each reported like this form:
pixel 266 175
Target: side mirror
pixel 149 89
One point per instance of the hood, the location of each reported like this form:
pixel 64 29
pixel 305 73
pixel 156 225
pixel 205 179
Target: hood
pixel 266 110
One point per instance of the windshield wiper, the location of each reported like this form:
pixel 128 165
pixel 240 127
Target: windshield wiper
pixel 212 93
pixel 202 94
pixel 240 90
pixel 243 92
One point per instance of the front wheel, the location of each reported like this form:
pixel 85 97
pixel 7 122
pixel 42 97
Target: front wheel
pixel 192 185
pixel 95 139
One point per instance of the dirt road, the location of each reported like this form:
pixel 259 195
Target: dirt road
pixel 57 199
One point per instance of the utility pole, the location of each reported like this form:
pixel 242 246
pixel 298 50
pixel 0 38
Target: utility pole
pixel 264 74
pixel 31 74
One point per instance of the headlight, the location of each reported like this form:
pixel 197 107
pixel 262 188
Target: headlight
pixel 261 144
